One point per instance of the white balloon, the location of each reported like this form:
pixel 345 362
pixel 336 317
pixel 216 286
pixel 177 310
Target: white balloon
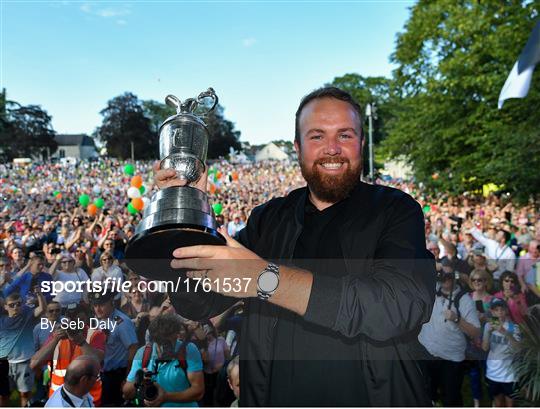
pixel 96 189
pixel 133 192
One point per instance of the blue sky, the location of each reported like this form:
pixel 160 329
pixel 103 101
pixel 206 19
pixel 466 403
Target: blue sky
pixel 261 57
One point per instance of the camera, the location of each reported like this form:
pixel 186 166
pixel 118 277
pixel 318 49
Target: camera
pixel 144 386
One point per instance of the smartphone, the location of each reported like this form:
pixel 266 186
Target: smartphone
pixel 480 306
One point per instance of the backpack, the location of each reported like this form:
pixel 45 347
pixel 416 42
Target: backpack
pixel 456 299
pixel 180 356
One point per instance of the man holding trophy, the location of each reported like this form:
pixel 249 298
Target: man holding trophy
pixel 337 278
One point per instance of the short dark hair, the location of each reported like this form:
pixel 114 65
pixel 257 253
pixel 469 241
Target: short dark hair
pixel 327 92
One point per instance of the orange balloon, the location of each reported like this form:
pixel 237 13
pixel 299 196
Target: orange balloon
pixel 235 175
pixel 137 203
pixel 59 196
pixel 212 189
pixel 92 209
pixel 218 174
pixel 136 181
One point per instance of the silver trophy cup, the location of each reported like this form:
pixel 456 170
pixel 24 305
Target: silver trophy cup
pixel 176 216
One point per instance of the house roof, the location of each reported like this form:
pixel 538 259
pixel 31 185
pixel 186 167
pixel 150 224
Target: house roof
pixel 74 140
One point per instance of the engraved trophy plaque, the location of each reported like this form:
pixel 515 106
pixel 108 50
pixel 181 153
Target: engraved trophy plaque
pixel 176 216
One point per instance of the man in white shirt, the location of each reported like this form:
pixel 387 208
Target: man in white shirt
pixel 81 375
pixel 497 250
pixel 234 226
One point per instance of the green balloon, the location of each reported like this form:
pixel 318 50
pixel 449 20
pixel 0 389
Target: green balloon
pixel 56 193
pixel 426 208
pixel 131 209
pixel 84 200
pixel 142 189
pixel 99 202
pixel 218 208
pixel 129 169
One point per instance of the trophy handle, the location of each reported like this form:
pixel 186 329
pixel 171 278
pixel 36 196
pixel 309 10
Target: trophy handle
pixel 173 102
pixel 209 93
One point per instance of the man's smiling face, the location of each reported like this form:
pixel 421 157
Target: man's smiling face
pixel 330 148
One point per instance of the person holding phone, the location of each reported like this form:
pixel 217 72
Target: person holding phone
pixel 480 282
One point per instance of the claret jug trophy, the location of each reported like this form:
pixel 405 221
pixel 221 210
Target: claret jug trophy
pixel 177 216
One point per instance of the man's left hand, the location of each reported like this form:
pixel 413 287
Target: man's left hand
pixel 219 265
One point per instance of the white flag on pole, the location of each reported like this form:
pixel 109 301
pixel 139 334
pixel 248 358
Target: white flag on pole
pixel 518 82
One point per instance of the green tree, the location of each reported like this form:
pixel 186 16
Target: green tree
pixel 157 113
pixel 125 125
pixel 222 134
pixel 453 59
pixel 25 131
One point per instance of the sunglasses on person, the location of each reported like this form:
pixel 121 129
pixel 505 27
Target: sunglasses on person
pixel 14 304
pixel 106 259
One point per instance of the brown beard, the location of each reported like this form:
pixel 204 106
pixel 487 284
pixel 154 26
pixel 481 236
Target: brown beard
pixel 330 189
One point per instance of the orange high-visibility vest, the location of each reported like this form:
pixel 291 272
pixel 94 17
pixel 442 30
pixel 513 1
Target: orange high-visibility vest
pixel 65 352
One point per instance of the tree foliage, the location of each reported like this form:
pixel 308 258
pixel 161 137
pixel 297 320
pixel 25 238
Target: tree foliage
pixel 371 90
pixel 25 131
pixel 453 59
pixel 124 123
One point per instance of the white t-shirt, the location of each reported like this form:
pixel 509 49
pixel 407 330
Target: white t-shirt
pixel 499 360
pixel 445 339
pixel 70 297
pixel 113 272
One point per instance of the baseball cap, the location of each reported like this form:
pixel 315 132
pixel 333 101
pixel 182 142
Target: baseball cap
pixel 497 302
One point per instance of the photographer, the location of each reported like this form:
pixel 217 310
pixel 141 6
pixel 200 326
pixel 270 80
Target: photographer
pixel 64 345
pixel 453 318
pixel 171 370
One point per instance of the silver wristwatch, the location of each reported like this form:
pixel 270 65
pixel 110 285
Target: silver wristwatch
pixel 268 281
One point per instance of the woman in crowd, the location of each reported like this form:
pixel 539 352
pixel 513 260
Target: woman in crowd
pixel 216 354
pixel 511 293
pixel 480 282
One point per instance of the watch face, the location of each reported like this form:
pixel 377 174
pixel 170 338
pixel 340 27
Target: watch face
pixel 268 281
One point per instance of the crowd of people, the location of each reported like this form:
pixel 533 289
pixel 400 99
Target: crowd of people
pixel 487 260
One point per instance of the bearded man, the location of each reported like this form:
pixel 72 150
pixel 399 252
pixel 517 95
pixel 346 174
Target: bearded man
pixel 339 281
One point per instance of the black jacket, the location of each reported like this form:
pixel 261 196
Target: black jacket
pixel 382 302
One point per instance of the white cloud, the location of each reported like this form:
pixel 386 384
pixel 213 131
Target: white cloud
pixel 107 12
pixel 248 42
pixel 121 22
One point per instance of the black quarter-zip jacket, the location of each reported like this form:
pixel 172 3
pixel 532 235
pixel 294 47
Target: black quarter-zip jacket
pixel 374 298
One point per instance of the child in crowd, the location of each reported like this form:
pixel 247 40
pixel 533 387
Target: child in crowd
pixel 501 336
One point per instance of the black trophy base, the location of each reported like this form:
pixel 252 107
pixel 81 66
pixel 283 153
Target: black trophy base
pixel 149 253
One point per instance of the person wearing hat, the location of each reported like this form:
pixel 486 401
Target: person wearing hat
pixel 120 348
pixel 501 336
pixel 69 273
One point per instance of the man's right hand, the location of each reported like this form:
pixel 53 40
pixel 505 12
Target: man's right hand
pixel 167 177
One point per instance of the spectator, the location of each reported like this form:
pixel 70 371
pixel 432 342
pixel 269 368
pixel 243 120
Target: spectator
pixel 17 346
pixel 65 345
pixel 81 375
pixel 515 299
pixel 233 378
pixel 27 283
pixel 498 250
pixel 453 319
pixel 235 225
pixel 69 274
pixel 501 336
pixel 176 366
pixel 214 356
pixel 120 348
pixel 526 262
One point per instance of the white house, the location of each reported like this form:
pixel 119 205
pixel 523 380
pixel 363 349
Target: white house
pixel 75 146
pixel 271 151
